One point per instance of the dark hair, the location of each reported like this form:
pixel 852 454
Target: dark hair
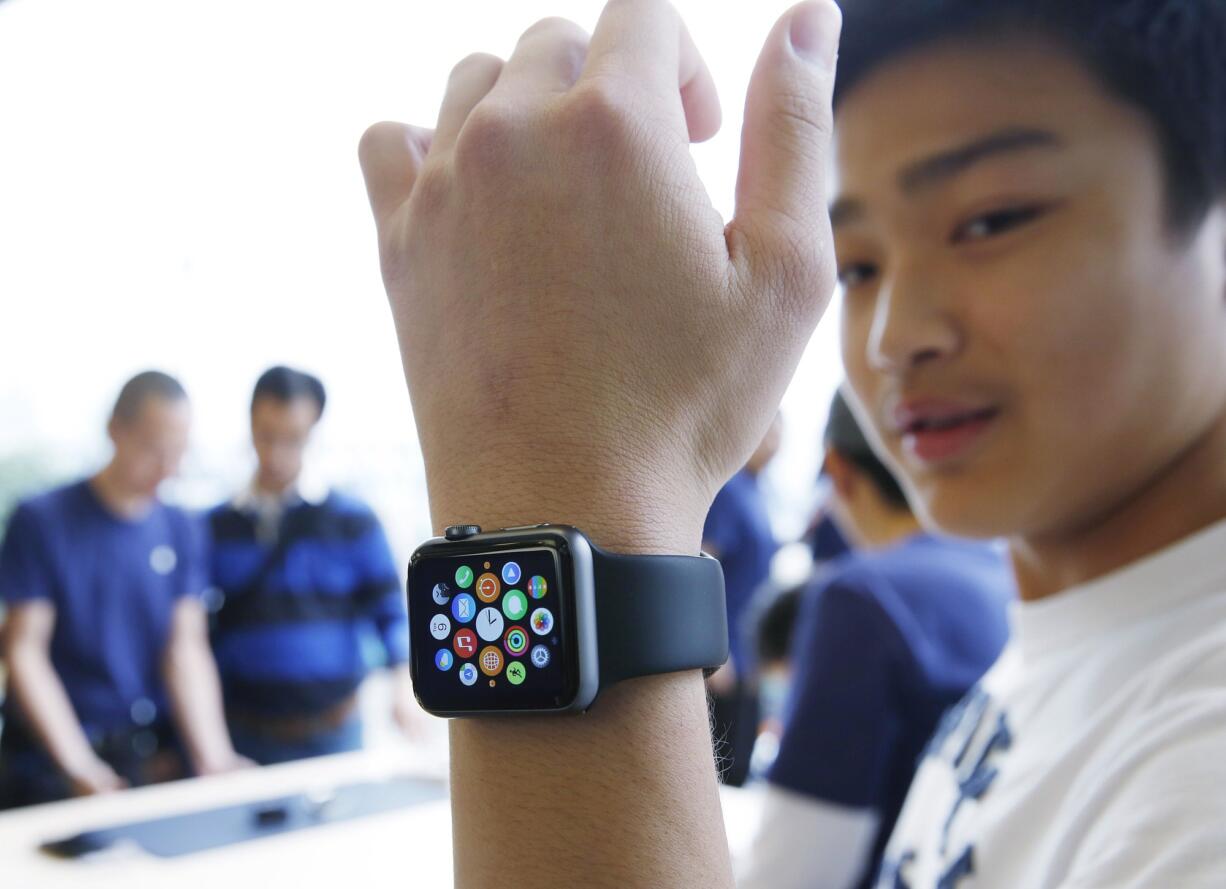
pixel 145 385
pixel 285 384
pixel 1166 57
pixel 775 623
pixel 844 436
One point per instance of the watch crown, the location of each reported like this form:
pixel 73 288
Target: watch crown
pixel 460 532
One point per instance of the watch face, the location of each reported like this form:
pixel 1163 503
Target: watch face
pixel 492 630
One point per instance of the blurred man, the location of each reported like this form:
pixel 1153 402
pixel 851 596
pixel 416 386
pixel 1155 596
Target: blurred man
pixel 889 637
pixel 304 574
pixel 738 533
pixel 106 638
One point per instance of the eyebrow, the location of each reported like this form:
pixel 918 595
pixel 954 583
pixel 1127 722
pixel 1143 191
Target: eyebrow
pixel 947 164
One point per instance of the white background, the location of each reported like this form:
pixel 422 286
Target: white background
pixel 179 189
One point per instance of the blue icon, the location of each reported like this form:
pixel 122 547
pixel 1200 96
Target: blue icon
pixel 464 608
pixel 511 573
pixel 468 674
pixel 540 656
pixel 444 659
pixel 442 593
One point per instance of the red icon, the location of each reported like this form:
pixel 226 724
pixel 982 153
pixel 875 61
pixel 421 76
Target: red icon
pixel 465 643
pixel 488 587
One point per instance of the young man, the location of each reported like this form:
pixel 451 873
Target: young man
pixel 105 639
pixel 1032 237
pixel 304 575
pixel 738 532
pixel 890 636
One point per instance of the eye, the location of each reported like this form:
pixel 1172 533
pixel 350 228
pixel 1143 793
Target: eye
pixel 997 222
pixel 856 273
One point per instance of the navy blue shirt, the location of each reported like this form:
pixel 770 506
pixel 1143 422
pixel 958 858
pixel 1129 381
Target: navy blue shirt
pixel 291 636
pixel 114 583
pixel 885 643
pixel 738 528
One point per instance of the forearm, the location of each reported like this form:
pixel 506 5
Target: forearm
pixel 45 702
pixel 195 696
pixel 625 794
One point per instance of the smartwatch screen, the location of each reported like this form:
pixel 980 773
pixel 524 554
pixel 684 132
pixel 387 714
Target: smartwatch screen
pixel 491 630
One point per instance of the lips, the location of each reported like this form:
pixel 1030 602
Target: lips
pixel 940 431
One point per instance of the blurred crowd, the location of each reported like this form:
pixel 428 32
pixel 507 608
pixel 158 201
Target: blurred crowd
pixel 143 643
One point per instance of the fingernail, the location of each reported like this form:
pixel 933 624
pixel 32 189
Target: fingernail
pixel 814 31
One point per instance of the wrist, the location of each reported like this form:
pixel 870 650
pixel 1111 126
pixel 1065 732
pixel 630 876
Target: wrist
pixel 625 518
pixel 83 767
pixel 657 510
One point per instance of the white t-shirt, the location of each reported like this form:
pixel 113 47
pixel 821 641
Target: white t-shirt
pixel 1093 755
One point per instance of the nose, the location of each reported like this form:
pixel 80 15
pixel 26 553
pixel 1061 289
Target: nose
pixel 912 324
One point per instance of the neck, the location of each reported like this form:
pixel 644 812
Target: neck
pixel 109 488
pixel 1189 495
pixel 886 527
pixel 273 487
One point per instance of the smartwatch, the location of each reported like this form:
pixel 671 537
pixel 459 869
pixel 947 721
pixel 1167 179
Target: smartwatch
pixel 538 619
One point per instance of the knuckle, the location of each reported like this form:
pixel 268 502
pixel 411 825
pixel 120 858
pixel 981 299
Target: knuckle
pixel 475 64
pixel 804 275
pixel 597 114
pixel 485 141
pixel 555 28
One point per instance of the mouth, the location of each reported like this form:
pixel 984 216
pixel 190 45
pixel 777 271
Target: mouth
pixel 936 433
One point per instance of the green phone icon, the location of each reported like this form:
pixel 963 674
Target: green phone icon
pixel 464 577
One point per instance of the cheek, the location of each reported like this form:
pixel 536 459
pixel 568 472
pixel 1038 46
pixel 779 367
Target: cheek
pixel 856 326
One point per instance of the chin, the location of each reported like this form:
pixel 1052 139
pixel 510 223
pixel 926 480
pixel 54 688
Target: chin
pixel 980 513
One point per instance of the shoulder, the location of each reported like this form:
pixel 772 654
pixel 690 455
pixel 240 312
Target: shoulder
pixel 841 606
pixel 69 498
pixel 45 511
pixel 344 516
pixel 933 573
pixel 1148 808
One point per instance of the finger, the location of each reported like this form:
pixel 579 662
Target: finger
pixel 644 42
pixel 547 59
pixel 785 142
pixel 468 84
pixel 390 155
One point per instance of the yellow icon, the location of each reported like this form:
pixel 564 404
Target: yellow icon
pixel 490 661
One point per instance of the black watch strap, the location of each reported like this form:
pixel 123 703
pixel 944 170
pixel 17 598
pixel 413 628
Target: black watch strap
pixel 658 614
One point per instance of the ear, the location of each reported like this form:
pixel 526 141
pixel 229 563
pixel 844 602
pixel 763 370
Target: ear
pixel 841 473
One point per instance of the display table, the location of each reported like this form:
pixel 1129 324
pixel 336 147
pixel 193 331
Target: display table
pixel 408 846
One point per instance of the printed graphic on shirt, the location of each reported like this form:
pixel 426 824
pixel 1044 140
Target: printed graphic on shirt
pixel 965 754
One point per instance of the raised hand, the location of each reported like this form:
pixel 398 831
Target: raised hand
pixel 585 340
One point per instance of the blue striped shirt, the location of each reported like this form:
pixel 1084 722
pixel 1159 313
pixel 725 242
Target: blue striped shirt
pixel 297 611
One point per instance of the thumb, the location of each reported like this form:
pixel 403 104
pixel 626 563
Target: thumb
pixel 781 216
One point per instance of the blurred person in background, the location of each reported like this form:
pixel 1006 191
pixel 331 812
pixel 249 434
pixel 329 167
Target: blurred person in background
pixel 772 616
pixel 304 575
pixel 888 638
pixel 738 532
pixel 105 640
